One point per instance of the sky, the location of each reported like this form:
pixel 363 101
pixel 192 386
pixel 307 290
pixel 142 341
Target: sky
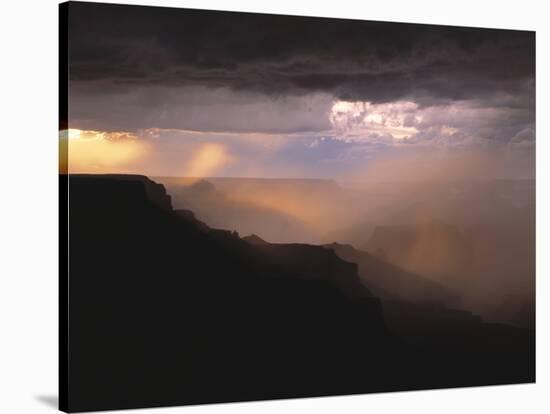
pixel 179 92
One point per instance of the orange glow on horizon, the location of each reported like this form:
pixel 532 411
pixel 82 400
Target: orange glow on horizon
pixel 98 152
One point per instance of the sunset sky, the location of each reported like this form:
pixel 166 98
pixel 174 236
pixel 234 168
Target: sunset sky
pixel 162 91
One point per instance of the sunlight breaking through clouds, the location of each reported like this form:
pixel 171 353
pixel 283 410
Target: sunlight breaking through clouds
pixel 456 124
pixel 207 160
pixel 360 120
pixel 100 151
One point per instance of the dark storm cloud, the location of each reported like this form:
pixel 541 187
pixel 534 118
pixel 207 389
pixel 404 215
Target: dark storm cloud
pixel 120 46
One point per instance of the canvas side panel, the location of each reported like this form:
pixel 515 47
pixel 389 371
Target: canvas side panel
pixel 63 210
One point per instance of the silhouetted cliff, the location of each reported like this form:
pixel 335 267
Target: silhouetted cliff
pixel 254 239
pixel 164 310
pixel 315 262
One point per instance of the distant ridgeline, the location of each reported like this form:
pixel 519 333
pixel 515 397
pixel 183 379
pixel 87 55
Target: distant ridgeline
pixel 165 310
pixel 284 209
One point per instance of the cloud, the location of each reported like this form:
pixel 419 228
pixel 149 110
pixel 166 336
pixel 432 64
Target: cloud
pixel 368 121
pixel 195 108
pixel 135 65
pixel 352 59
pixel 302 96
pixel 524 139
pixel 459 123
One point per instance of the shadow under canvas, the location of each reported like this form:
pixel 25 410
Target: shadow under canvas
pixel 49 400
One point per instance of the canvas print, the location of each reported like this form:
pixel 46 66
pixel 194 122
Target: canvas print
pixel 260 206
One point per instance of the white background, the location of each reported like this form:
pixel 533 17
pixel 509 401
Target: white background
pixel 28 203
